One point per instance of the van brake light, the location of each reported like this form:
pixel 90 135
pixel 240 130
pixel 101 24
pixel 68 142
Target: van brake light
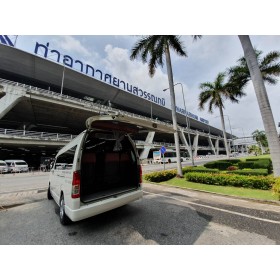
pixel 76 185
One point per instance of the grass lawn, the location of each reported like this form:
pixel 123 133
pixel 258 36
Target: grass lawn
pixel 226 190
pixel 235 191
pixel 259 156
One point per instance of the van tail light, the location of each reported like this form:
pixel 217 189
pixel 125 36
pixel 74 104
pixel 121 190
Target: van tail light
pixel 140 174
pixel 76 185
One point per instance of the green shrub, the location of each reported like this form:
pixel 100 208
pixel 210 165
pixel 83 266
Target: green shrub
pixel 246 164
pixel 256 172
pixel 276 188
pixel 160 176
pixel 233 161
pixel 257 159
pixel 220 164
pixel 263 163
pixel 211 164
pixel 254 182
pixel 258 163
pixel 200 169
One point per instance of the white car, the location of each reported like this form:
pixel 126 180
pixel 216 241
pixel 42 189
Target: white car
pixel 3 167
pixel 17 165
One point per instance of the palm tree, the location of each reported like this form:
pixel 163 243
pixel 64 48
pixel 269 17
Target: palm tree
pixel 266 112
pixel 215 93
pixel 156 46
pixel 260 137
pixel 254 149
pixel 269 67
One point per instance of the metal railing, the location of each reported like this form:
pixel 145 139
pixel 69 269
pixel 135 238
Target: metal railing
pixel 68 137
pixel 36 135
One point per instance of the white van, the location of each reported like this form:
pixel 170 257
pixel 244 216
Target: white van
pixel 97 171
pixel 3 167
pixel 17 165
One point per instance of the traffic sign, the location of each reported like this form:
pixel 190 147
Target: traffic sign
pixel 162 149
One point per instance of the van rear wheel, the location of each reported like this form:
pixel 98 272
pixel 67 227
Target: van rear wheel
pixel 64 220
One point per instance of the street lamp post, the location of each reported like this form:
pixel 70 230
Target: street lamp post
pixel 230 132
pixel 62 82
pixel 187 121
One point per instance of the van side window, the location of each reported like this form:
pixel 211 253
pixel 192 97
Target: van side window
pixel 65 160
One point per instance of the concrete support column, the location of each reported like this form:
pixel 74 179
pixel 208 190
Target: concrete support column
pixel 147 147
pixel 211 145
pixel 217 147
pixel 10 99
pixel 229 147
pixel 195 145
pixel 184 141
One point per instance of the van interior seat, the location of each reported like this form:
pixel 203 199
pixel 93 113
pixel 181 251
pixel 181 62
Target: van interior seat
pixel 88 171
pixel 105 170
pixel 89 157
pixel 112 168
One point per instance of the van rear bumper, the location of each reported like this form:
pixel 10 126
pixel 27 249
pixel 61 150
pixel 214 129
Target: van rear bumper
pixel 98 207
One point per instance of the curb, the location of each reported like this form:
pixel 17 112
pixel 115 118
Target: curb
pixel 272 202
pixel 13 199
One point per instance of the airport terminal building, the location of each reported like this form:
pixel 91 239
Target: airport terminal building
pixel 45 102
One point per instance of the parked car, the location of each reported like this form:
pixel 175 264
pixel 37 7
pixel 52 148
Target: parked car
pixel 97 171
pixel 3 167
pixel 17 165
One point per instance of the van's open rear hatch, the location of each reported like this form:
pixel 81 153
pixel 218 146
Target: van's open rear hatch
pixel 128 123
pixel 109 163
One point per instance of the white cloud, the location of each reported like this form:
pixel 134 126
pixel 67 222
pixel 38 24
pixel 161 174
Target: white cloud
pixel 71 44
pixel 118 63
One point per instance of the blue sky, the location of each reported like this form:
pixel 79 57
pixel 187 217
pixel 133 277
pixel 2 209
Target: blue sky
pixel 206 58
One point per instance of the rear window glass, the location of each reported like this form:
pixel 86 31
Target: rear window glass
pixel 20 163
pixel 2 164
pixel 108 142
pixel 65 160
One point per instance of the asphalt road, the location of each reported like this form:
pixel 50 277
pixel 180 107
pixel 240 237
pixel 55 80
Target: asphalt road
pixel 164 216
pixel 39 180
pixel 23 181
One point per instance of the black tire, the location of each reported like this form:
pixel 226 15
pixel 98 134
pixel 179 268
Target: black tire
pixel 49 194
pixel 169 161
pixel 64 220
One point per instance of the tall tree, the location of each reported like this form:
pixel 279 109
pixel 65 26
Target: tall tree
pixel 156 47
pixel 263 101
pixel 254 149
pixel 260 137
pixel 269 66
pixel 216 93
